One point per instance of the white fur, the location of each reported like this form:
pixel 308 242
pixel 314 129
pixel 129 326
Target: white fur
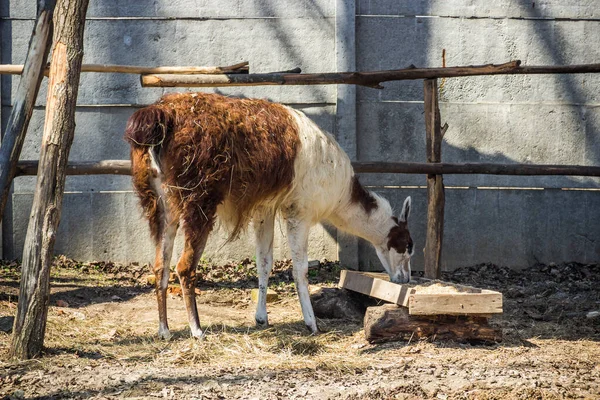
pixel 321 191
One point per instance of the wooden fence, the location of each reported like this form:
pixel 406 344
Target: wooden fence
pixel 237 75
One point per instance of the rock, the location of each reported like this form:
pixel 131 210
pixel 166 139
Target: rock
pixel 61 303
pixel 336 303
pixel 593 314
pixel 6 323
pixel 272 296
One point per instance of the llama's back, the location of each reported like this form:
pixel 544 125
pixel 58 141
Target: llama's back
pixel 322 172
pixel 227 151
pixel 228 155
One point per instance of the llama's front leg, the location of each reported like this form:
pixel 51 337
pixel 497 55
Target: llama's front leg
pixel 263 230
pixel 164 251
pixel 186 270
pixel 298 240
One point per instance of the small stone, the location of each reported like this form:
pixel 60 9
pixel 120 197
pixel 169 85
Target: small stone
pixel 593 314
pixel 61 303
pixel 272 296
pixel 19 394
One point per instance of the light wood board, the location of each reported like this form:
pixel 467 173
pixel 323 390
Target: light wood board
pixel 466 301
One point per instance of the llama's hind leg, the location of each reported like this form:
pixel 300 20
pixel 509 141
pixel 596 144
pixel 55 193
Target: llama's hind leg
pixel 263 231
pixel 186 270
pixel 297 231
pixel 164 251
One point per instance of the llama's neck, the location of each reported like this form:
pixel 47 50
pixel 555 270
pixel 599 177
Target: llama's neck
pixel 373 226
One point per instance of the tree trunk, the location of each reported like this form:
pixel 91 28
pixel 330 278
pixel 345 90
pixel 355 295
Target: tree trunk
pixel 29 85
pixel 59 128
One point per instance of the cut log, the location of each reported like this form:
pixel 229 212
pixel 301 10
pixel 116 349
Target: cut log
pixel 390 322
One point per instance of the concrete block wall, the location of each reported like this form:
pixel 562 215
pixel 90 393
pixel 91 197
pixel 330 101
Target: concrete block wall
pixel 511 221
pixel 101 218
pixel 552 119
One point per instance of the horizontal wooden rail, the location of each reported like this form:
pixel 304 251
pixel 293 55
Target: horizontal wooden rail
pixel 123 167
pixel 370 79
pixel 474 168
pixel 105 167
pixel 241 68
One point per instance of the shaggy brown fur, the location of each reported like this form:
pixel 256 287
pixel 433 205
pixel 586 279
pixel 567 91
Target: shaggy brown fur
pixel 361 196
pixel 212 148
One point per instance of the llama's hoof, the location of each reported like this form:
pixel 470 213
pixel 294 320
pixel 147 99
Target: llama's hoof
pixel 313 330
pixel 164 334
pixel 261 323
pixel 198 334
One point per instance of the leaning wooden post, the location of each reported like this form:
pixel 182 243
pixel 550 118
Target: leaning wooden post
pixel 435 183
pixel 27 92
pixel 59 127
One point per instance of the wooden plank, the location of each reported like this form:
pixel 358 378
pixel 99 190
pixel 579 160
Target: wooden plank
pixel 455 303
pixel 375 287
pixel 463 300
pixel 435 183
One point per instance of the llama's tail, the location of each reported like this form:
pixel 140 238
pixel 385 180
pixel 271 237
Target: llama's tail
pixel 147 132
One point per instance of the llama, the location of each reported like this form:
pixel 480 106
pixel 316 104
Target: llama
pixel 197 156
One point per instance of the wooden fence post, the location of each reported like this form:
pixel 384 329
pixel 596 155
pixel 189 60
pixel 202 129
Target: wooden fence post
pixel 59 127
pixel 29 85
pixel 435 183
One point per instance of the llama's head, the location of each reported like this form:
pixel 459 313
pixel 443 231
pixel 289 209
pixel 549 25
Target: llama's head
pixel 396 250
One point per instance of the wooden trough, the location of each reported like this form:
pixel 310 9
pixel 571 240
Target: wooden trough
pixel 425 308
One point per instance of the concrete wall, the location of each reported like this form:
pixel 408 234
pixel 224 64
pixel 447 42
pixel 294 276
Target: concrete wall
pixel 101 218
pixel 506 220
pixel 532 119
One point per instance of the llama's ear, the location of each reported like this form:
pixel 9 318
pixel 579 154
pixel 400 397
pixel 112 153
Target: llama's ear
pixel 405 210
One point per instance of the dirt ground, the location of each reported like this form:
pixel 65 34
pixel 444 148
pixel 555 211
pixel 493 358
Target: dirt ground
pixel 101 341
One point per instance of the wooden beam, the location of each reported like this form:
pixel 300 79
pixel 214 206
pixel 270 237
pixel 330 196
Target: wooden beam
pixel 59 128
pixel 486 302
pixel 377 287
pixel 474 168
pixel 435 183
pixel 390 322
pixel 105 167
pixel 240 68
pixel 424 296
pixel 123 167
pixel 370 79
pixel 29 85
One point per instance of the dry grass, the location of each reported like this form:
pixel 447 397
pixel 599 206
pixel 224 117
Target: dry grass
pixel 104 345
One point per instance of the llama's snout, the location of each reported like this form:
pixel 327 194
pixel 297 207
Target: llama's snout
pixel 401 276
